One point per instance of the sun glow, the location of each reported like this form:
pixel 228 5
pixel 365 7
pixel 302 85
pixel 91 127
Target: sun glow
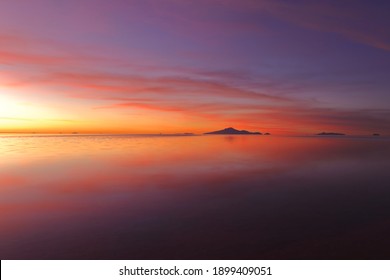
pixel 13 115
pixel 9 107
pixel 17 115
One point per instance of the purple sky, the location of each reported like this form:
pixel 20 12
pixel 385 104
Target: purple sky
pixel 175 66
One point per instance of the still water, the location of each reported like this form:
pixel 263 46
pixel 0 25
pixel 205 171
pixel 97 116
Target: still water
pixel 194 197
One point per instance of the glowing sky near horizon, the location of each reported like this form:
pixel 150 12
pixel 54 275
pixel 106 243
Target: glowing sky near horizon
pixel 193 66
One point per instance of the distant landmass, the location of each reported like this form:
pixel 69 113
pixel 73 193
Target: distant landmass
pixel 331 133
pixel 231 130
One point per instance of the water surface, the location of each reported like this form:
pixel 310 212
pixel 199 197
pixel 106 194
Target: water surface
pixel 198 197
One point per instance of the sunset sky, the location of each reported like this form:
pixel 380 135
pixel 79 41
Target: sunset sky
pixel 173 66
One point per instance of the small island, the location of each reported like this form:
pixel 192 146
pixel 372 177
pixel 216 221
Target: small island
pixel 330 134
pixel 231 130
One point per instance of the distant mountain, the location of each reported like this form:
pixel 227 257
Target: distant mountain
pixel 331 133
pixel 231 130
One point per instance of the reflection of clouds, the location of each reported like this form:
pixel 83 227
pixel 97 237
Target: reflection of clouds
pixel 151 183
pixel 57 165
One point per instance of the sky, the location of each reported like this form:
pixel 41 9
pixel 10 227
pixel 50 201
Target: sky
pixel 175 66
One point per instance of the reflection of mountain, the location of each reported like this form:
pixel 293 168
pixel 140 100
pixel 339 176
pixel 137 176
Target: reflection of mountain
pixel 231 130
pixel 330 133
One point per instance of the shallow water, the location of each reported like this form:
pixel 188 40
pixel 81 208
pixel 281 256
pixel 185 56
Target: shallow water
pixel 195 197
